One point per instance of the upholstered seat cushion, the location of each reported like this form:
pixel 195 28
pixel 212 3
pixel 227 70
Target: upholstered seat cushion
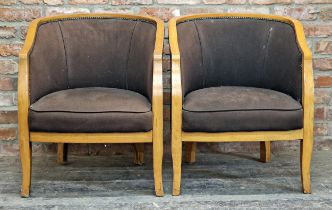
pixel 93 109
pixel 230 108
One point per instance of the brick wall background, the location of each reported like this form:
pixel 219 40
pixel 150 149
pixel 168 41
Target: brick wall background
pixel 15 16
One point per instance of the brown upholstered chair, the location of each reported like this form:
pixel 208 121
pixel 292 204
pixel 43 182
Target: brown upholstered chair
pixel 240 77
pixel 92 78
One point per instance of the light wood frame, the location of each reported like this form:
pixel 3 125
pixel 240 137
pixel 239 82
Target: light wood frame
pixel 305 135
pixel 155 136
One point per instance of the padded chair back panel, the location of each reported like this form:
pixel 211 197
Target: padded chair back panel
pixel 240 52
pixel 77 53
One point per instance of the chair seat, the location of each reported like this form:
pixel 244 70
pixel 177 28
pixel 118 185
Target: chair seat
pixel 92 109
pixel 230 108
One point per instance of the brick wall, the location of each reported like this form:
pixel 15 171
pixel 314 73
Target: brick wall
pixel 15 16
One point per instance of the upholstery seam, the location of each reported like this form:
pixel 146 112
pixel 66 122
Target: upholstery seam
pixel 62 111
pixel 246 110
pixel 65 52
pixel 267 48
pixel 200 44
pixel 129 51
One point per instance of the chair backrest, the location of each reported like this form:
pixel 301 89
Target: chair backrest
pixel 92 52
pixel 229 51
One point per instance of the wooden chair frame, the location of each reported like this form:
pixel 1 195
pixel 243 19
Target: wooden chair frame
pixel 305 135
pixel 155 136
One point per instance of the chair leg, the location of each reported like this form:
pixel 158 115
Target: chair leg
pixel 139 154
pixel 25 153
pixel 265 151
pixel 190 152
pixel 62 153
pixel 158 162
pixel 177 159
pixel 306 154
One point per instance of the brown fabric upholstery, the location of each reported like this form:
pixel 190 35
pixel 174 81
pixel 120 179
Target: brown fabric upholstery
pixel 230 108
pixel 91 110
pixel 240 52
pixel 100 52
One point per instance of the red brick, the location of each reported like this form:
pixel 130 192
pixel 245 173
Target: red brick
pixel 268 2
pixel 323 81
pixel 164 13
pixel 321 129
pixel 326 13
pixel 197 10
pixel 31 1
pixel 8 83
pixel 14 14
pixel 322 96
pixel 53 2
pixel 59 10
pixel 322 63
pixel 6 100
pixel 323 47
pixel 8 117
pixel 300 13
pixel 320 113
pixel 312 1
pixel 114 10
pixel 322 30
pixel 259 10
pixel 77 2
pixel 224 1
pixel 10 49
pixel 7 133
pixel 131 2
pixel 7 2
pixel 7 32
pixel 178 1
pixel 8 67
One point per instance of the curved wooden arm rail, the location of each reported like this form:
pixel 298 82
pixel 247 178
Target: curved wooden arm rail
pixel 305 134
pixel 155 136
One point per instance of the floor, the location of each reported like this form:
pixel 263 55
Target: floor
pixel 216 181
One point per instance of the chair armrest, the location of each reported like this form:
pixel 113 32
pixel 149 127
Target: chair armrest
pixel 157 87
pixel 307 79
pixel 176 80
pixel 23 80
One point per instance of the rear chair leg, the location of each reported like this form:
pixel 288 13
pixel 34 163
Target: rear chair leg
pixel 139 154
pixel 265 151
pixel 190 152
pixel 62 153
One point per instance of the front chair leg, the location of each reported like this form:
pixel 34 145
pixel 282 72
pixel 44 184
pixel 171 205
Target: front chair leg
pixel 62 153
pixel 306 154
pixel 177 159
pixel 265 151
pixel 190 152
pixel 158 162
pixel 139 154
pixel 25 153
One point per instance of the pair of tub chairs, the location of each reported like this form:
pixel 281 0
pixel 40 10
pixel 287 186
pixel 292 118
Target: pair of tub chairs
pixel 97 78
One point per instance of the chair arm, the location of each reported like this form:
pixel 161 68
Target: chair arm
pixel 23 81
pixel 307 78
pixel 157 86
pixel 176 80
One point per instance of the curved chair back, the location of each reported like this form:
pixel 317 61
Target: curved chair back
pixel 239 51
pixel 96 51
